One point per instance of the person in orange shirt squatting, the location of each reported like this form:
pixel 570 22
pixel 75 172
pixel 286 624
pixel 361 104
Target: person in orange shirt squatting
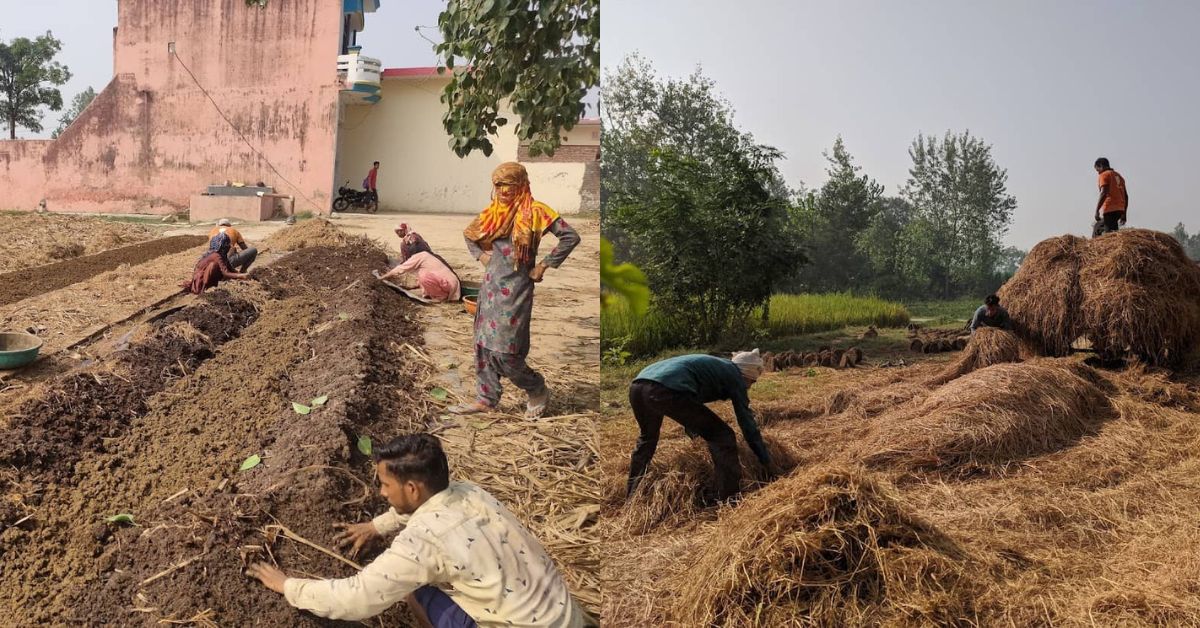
pixel 1114 198
pixel 243 258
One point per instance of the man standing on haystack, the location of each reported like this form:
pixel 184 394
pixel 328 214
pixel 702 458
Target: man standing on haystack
pixel 678 388
pixel 1113 203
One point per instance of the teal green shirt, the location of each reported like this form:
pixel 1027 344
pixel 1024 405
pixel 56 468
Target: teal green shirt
pixel 707 379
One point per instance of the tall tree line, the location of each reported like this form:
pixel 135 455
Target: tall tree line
pixel 941 237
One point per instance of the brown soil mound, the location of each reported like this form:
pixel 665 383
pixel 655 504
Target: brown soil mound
pixel 47 238
pixel 992 417
pixel 678 483
pixel 82 410
pixel 988 346
pixel 17 286
pixel 176 467
pixel 826 547
pixel 309 233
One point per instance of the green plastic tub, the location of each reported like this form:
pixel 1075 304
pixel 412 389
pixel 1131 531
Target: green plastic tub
pixel 18 349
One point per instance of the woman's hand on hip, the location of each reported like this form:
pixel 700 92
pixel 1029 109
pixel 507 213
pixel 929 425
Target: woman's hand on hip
pixel 537 272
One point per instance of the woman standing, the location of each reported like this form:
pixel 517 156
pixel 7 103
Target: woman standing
pixel 504 238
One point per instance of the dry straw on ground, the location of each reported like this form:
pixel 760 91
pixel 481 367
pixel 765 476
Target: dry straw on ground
pixel 992 417
pixel 988 346
pixel 678 484
pixel 826 546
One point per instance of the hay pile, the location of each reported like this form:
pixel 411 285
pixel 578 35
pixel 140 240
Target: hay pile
pixel 678 483
pixel 992 417
pixel 1140 290
pixel 1132 290
pixel 988 346
pixel 827 547
pixel 315 232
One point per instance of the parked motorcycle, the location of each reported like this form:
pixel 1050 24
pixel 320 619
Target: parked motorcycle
pixel 349 199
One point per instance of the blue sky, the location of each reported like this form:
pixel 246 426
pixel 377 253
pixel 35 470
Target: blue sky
pixel 1050 85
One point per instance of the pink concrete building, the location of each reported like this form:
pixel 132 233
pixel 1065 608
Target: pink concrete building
pixel 203 92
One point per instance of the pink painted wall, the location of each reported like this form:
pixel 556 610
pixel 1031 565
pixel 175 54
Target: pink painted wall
pixel 153 138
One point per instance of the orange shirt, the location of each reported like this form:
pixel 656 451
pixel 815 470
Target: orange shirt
pixel 1116 199
pixel 235 238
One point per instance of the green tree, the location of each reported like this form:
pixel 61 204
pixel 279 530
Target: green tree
pixel 961 210
pixel 883 246
pixel 696 203
pixel 78 104
pixel 29 80
pixel 845 206
pixel 541 56
pixel 1190 243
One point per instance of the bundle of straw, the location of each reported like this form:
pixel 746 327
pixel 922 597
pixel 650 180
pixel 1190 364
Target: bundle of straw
pixel 988 346
pixel 992 417
pixel 824 547
pixel 1043 297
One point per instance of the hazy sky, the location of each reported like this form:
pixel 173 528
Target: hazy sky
pixel 85 28
pixel 1050 85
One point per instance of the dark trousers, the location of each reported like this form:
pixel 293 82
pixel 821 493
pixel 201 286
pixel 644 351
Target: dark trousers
pixel 242 260
pixel 652 401
pixel 1112 221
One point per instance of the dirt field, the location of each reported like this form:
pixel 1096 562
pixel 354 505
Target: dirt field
pixel 148 401
pixel 1043 493
pixel 19 285
pixel 48 238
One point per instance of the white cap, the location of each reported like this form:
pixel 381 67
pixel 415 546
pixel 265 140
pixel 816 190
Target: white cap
pixel 749 362
pixel 224 222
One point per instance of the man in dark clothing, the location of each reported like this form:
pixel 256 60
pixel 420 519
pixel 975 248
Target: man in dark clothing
pixel 678 388
pixel 990 314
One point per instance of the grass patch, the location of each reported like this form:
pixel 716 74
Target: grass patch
pixel 943 312
pixel 791 315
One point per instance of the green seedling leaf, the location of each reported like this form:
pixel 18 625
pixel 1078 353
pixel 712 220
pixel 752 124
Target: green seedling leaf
pixel 439 393
pixel 811 373
pixel 364 445
pixel 320 401
pixel 301 408
pixel 250 463
pixel 121 518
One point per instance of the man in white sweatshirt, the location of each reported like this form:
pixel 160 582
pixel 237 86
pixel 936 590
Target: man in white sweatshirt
pixel 460 559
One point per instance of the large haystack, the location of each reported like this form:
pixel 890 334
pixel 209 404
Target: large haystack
pixel 992 417
pixel 988 346
pixel 1043 297
pixel 1140 291
pixel 678 483
pixel 1133 290
pixel 824 547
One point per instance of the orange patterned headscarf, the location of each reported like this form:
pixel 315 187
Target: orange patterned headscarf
pixel 524 220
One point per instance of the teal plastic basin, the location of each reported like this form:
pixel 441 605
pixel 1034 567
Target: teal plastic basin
pixel 18 349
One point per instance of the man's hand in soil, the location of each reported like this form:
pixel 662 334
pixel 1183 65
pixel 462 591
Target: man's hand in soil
pixel 355 535
pixel 485 258
pixel 537 272
pixel 270 576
